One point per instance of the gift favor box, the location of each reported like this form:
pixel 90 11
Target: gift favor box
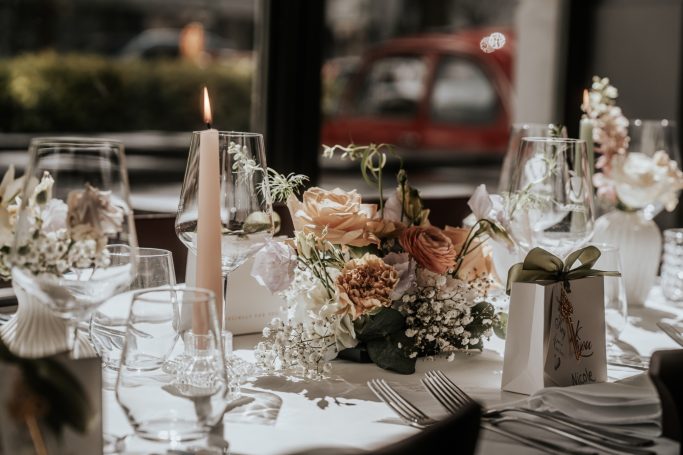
pixel 555 335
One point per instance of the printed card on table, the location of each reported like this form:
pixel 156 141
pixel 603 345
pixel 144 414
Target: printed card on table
pixel 250 305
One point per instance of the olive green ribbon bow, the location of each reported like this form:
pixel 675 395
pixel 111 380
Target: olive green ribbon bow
pixel 540 265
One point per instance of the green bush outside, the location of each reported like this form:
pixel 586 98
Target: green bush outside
pixel 86 93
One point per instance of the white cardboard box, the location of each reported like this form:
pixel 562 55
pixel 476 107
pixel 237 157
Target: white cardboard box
pixel 539 349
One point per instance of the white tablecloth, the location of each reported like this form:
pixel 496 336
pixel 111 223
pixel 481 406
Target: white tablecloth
pixel 344 413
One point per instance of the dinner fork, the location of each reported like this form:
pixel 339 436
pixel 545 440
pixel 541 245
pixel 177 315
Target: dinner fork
pixel 672 331
pixel 414 417
pixel 602 433
pixel 453 398
pixel 406 410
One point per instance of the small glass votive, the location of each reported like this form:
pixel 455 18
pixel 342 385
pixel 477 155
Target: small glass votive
pixel 672 265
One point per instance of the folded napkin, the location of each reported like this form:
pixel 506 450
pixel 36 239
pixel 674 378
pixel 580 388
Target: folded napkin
pixel 631 402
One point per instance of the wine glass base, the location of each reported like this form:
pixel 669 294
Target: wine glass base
pixel 136 445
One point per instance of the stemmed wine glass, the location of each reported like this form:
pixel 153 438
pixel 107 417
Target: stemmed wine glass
pixel 649 137
pixel 74 217
pixel 518 131
pixel 245 203
pixel 549 199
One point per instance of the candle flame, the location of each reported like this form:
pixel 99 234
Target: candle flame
pixel 207 107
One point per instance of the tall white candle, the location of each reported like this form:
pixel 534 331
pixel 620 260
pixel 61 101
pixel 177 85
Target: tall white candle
pixel 209 213
pixel 586 133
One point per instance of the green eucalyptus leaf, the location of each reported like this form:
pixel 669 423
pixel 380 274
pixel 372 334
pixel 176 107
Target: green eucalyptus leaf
pixel 387 354
pixel 380 325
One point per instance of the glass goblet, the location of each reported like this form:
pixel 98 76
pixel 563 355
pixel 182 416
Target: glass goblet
pixel 74 217
pixel 245 204
pixel 519 131
pixel 108 322
pixel 648 137
pixel 184 405
pixel 549 199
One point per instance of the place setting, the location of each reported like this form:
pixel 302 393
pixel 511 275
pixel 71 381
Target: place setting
pixel 541 323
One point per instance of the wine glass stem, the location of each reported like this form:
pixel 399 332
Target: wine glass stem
pixel 72 337
pixel 226 334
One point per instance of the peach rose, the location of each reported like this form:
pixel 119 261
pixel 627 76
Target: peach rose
pixel 478 262
pixel 429 247
pixel 339 212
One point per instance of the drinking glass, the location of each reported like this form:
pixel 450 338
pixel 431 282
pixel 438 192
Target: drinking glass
pixel 549 199
pixel 648 137
pixel 672 265
pixel 108 322
pixel 165 324
pixel 519 131
pixel 245 204
pixel 74 220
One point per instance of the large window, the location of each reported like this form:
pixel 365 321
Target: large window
pixel 462 93
pixel 393 87
pixel 131 69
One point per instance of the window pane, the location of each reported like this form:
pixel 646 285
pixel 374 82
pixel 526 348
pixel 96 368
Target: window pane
pixel 462 93
pixel 393 87
pixel 128 69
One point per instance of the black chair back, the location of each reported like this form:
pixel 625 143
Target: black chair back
pixel 666 372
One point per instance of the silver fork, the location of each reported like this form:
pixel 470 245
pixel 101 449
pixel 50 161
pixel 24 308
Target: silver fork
pixel 602 433
pixel 452 397
pixel 672 331
pixel 406 410
pixel 414 417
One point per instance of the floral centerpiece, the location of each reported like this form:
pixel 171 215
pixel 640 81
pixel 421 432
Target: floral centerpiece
pixel 626 179
pixel 61 235
pixel 58 238
pixel 637 184
pixel 374 282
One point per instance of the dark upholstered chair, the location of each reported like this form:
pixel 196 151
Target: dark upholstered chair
pixel 666 372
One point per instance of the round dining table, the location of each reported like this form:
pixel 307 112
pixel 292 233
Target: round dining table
pixel 285 415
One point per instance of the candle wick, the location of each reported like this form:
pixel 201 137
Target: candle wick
pixel 208 125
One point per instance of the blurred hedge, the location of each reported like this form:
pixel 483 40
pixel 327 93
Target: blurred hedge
pixel 85 93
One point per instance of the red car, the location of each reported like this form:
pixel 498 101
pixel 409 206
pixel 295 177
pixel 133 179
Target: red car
pixel 433 96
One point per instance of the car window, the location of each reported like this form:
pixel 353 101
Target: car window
pixel 462 93
pixel 392 87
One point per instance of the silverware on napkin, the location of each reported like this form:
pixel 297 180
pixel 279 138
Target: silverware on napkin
pixel 452 398
pixel 672 331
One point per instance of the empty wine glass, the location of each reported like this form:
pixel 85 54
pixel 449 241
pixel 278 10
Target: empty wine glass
pixel 108 322
pixel 649 137
pixel 245 204
pixel 74 217
pixel 183 405
pixel 519 131
pixel 549 199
